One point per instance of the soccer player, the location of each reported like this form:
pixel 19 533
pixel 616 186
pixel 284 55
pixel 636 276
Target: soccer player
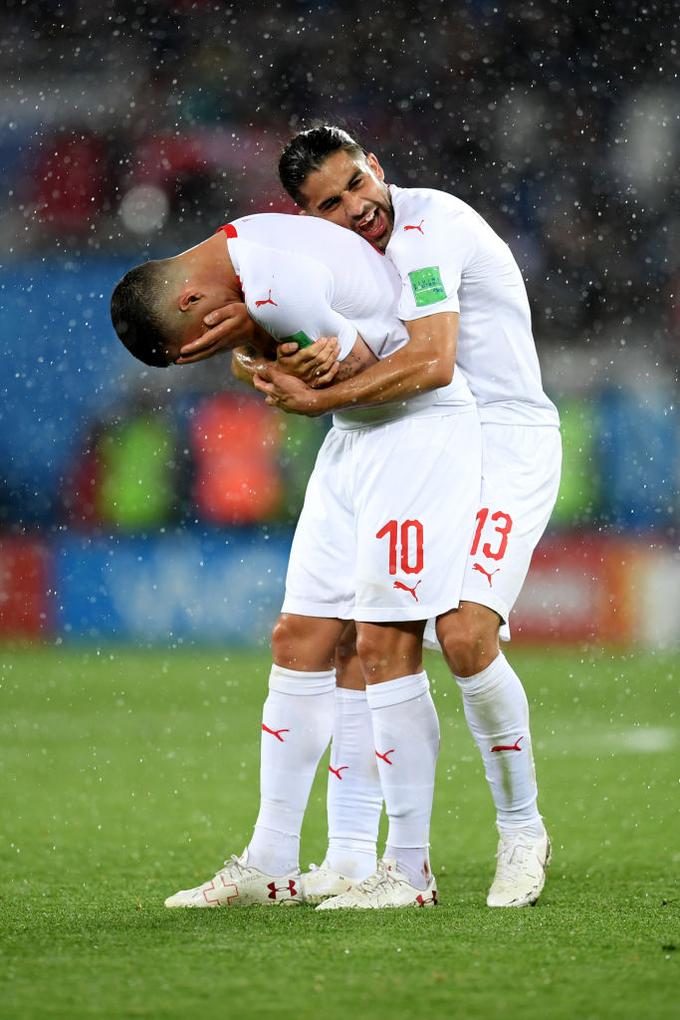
pixel 370 545
pixel 450 261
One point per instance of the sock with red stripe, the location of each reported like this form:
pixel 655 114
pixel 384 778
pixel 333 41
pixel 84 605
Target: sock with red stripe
pixel 297 722
pixel 497 713
pixel 354 799
pixel 406 735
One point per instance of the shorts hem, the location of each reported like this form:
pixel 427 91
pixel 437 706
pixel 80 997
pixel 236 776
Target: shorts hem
pixel 330 610
pixel 401 614
pixel 498 605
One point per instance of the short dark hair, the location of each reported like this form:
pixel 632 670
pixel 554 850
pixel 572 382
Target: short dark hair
pixel 136 313
pixel 308 151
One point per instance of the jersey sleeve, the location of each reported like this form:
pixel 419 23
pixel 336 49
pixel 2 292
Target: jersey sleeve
pixel 430 247
pixel 290 298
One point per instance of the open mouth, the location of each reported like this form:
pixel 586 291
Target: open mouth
pixel 372 226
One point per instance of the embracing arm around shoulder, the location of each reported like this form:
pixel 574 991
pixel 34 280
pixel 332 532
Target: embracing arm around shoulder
pixel 425 363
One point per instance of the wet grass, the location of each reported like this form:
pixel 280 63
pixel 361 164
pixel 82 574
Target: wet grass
pixel 126 775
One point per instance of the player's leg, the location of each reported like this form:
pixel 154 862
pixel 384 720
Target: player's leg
pixel 354 797
pixel 521 477
pixel 297 721
pixel 298 712
pixel 408 564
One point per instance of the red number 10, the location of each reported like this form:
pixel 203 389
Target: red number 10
pixel 404 533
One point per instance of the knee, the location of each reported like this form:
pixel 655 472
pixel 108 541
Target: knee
pixel 468 647
pixel 371 652
pixel 286 639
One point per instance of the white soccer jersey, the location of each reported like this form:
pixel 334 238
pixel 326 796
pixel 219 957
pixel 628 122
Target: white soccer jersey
pixel 450 260
pixel 303 278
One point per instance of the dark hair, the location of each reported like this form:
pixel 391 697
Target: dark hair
pixel 136 315
pixel 308 151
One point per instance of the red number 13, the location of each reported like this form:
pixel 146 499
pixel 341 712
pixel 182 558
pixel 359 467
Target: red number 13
pixel 503 530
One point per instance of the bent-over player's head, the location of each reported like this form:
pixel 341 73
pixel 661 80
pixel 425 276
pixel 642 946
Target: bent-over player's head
pixel 160 306
pixel 330 174
pixel 144 314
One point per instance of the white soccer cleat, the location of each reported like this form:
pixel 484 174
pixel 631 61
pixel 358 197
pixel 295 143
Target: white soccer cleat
pixel 520 872
pixel 320 883
pixel 238 885
pixel 386 888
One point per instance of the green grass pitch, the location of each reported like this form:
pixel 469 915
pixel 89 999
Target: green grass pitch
pixel 126 775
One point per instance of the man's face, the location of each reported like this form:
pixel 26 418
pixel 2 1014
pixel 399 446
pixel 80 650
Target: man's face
pixel 349 190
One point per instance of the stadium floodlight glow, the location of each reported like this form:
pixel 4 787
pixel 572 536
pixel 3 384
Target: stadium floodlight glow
pixel 144 208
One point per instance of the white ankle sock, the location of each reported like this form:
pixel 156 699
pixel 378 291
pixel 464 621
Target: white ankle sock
pixel 297 721
pixel 406 734
pixel 497 713
pixel 354 795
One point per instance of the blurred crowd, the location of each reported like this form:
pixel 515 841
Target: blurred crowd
pixel 143 124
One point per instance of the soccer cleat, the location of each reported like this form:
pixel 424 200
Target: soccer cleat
pixel 520 872
pixel 238 885
pixel 320 883
pixel 386 888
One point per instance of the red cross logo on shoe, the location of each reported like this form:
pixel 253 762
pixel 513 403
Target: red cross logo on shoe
pixel 509 747
pixel 215 900
pixel 275 733
pixel 274 889
pixel 383 757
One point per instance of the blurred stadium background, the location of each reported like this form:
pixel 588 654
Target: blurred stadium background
pixel 156 506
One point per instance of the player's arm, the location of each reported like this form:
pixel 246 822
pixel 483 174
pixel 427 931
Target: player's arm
pixel 318 364
pixel 425 363
pixel 246 362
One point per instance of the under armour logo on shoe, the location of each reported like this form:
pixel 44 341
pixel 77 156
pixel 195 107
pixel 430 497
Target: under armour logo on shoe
pixel 274 889
pixel 384 757
pixel 416 226
pixel 275 733
pixel 478 567
pixel 405 587
pixel 336 772
pixel 266 301
pixel 509 747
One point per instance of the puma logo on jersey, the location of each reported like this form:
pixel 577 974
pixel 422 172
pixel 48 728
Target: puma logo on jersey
pixel 266 301
pixel 405 587
pixel 416 226
pixel 480 569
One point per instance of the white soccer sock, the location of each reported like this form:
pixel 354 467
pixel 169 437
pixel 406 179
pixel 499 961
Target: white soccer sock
pixel 297 721
pixel 406 735
pixel 354 800
pixel 497 713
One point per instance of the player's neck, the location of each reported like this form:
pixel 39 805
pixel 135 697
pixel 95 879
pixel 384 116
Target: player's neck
pixel 211 260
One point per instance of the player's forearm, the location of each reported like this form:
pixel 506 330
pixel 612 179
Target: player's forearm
pixel 245 362
pixel 425 363
pixel 404 374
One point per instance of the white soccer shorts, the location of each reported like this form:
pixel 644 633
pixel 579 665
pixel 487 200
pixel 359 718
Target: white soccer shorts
pixel 385 529
pixel 521 467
